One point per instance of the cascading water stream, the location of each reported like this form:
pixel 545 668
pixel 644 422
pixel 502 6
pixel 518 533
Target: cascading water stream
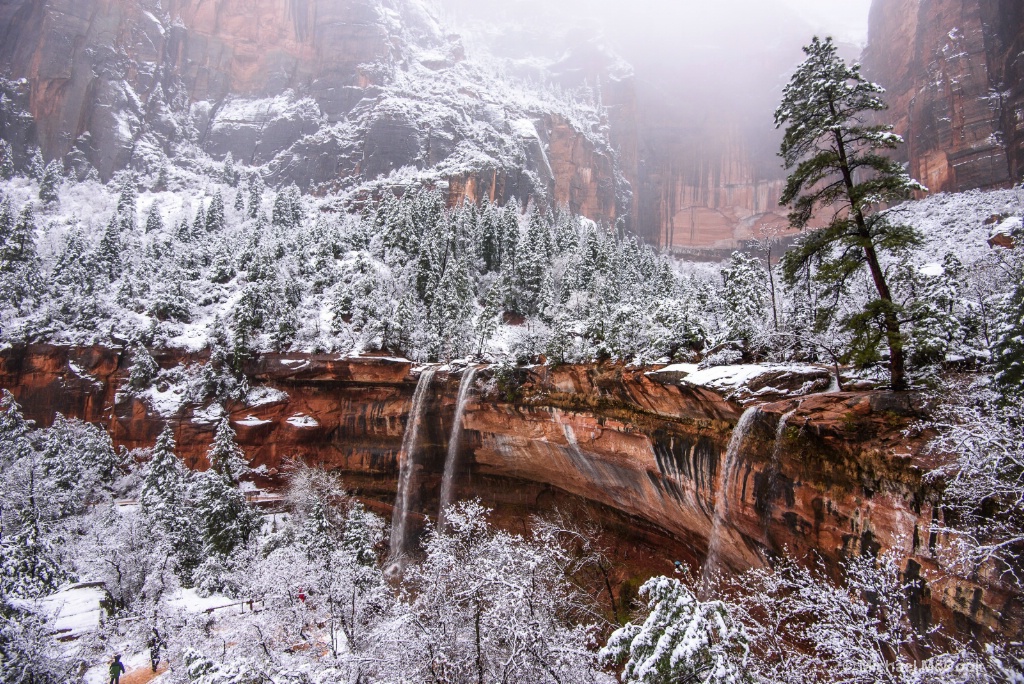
pixel 779 430
pixel 407 457
pixel 450 461
pixel 739 434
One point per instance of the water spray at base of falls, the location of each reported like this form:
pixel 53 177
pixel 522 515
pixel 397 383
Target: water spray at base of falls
pixel 450 461
pixel 407 458
pixel 739 435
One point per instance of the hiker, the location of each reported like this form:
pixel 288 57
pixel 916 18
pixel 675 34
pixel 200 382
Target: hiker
pixel 156 643
pixel 116 669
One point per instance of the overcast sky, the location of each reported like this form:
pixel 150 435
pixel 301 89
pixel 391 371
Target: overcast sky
pixel 845 19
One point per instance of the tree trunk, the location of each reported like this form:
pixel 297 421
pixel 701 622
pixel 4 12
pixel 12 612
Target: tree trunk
pixel 897 372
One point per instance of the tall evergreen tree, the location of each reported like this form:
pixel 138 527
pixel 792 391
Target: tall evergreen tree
pixel 839 167
pixel 744 297
pixel 127 198
pixel 215 214
pixel 154 222
pixel 165 500
pixel 225 456
pixel 19 246
pixel 229 176
pixel 37 165
pixel 255 189
pixel 6 160
pixel 1008 350
pixel 49 186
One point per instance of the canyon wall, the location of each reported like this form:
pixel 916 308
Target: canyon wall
pixel 330 95
pixel 643 454
pixel 954 72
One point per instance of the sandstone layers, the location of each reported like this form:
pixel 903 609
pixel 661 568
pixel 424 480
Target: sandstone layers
pixel 323 93
pixel 642 454
pixel 954 71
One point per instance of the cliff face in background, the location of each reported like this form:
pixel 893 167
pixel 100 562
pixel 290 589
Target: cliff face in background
pixel 642 454
pixel 954 72
pixel 323 93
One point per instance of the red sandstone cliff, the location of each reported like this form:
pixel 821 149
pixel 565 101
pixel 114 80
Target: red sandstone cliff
pixel 328 94
pixel 954 71
pixel 643 456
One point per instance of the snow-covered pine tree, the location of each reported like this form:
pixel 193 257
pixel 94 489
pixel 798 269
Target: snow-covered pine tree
pixel 215 214
pixel 838 165
pixel 20 244
pixel 165 500
pixel 154 221
pixel 225 456
pixel 199 222
pixel 6 222
pixel 49 186
pixel 127 199
pixel 229 175
pixel 255 189
pixel 110 251
pixel 6 160
pixel 143 369
pixel 1008 350
pixel 28 562
pixel 318 535
pixel 239 201
pixel 744 296
pixel 36 165
pixel 682 639
pixel 226 519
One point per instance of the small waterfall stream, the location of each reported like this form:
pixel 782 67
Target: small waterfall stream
pixel 779 430
pixel 739 434
pixel 450 461
pixel 399 526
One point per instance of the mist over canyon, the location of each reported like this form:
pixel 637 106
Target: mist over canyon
pixel 401 341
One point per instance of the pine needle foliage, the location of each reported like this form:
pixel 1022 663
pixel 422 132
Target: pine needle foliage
pixel 839 167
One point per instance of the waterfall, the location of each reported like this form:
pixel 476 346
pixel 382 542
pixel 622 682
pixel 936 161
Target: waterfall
pixel 779 429
pixel 465 389
pixel 739 434
pixel 408 463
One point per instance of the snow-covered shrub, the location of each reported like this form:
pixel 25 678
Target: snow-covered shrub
pixel 682 638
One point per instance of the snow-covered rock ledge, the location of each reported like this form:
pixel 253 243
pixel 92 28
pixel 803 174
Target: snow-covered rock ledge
pixel 745 382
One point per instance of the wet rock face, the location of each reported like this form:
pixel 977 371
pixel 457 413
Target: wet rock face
pixel 645 457
pixel 953 72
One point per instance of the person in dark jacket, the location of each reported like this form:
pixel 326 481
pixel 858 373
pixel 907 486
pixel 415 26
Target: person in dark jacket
pixel 116 669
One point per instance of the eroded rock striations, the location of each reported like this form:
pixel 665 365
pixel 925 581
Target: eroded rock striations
pixel 323 93
pixel 954 71
pixel 641 452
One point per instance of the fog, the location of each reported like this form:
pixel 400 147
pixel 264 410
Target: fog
pixel 707 74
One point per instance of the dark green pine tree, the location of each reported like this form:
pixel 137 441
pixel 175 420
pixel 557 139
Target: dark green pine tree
pixel 226 518
pixel 838 167
pixel 128 195
pixel 37 165
pixel 154 223
pixel 229 176
pixel 215 215
pixel 111 247
pixel 255 190
pixel 165 500
pixel 49 186
pixel 199 222
pixel 1008 350
pixel 225 456
pixel 6 160
pixel 20 268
